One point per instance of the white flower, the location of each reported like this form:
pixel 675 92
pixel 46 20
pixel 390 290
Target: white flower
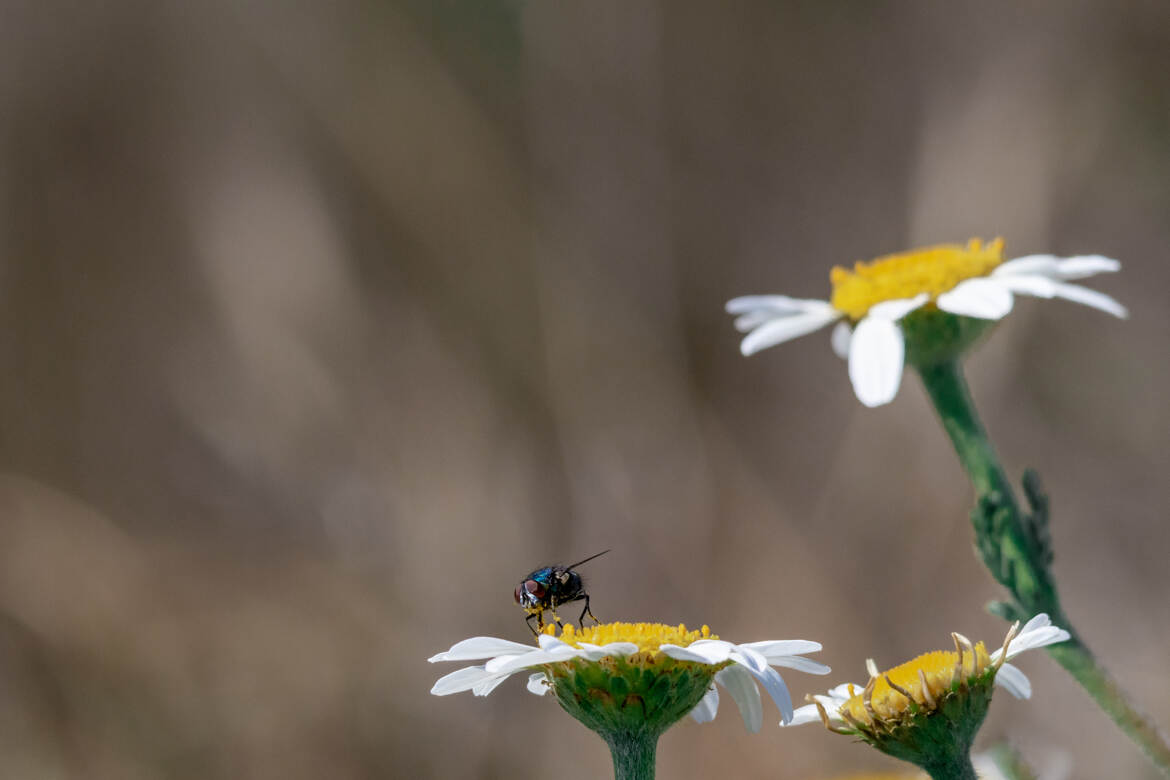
pixel 869 302
pixel 1037 632
pixel 743 665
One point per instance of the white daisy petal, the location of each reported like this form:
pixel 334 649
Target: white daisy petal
pixel 1036 285
pixel 1038 621
pixel 753 319
pixel 461 680
pixel 478 648
pixel 1015 682
pixel 538 684
pixel 487 685
pixel 784 647
pixel 755 310
pixel 613 649
pixel 1092 298
pixel 839 340
pixel 786 328
pixel 1044 265
pixel 980 297
pixel 750 658
pixel 832 703
pixel 1041 637
pixel 509 664
pixel 802 715
pixel 843 692
pixel 1050 635
pixel 876 355
pixel 898 308
pixel 551 643
pixel 776 304
pixel 704 651
pixel 708 706
pixel 774 684
pixel 1037 632
pixel 1063 268
pixel 742 686
pixel 1048 287
pixel 806 665
pixel 1084 266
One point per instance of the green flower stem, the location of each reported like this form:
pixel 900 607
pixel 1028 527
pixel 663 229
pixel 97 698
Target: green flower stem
pixel 633 754
pixel 960 768
pixel 1016 554
pixel 1016 549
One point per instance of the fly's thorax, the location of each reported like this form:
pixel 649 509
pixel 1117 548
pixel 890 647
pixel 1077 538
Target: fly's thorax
pixel 567 586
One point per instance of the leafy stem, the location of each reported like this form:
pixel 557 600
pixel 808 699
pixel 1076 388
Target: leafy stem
pixel 1017 549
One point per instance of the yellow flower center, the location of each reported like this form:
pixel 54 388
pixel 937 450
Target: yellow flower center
pixel 647 636
pixel 938 672
pixel 932 269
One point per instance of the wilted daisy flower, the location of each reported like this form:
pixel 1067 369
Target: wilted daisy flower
pixel 918 306
pixel 928 710
pixel 630 682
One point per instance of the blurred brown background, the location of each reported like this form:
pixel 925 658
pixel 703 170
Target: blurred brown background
pixel 324 322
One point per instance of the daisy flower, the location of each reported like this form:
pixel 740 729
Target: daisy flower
pixel 630 682
pixel 887 310
pixel 928 710
pixel 672 670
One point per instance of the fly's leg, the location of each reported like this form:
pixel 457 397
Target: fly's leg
pixel 586 611
pixel 539 622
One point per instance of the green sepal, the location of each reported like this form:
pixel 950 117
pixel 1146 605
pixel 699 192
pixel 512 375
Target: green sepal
pixel 935 336
pixel 630 702
pixel 616 695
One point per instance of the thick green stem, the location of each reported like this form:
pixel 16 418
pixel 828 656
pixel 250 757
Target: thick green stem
pixel 960 768
pixel 1015 548
pixel 633 754
pixel 948 390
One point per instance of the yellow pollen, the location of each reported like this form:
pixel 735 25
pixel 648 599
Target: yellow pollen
pixel 647 636
pixel 938 670
pixel 933 270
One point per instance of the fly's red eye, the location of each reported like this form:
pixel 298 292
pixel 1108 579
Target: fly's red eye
pixel 519 591
pixel 535 588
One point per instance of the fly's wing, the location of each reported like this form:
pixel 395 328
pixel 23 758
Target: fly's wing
pixel 591 557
